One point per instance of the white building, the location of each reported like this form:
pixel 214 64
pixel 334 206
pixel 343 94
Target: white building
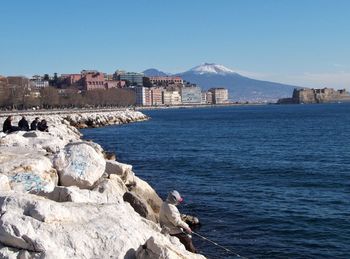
pixel 143 96
pixel 191 95
pixel 171 98
pixel 220 95
pixel 38 82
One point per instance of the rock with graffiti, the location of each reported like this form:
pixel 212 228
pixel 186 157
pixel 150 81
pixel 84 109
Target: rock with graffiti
pixel 79 164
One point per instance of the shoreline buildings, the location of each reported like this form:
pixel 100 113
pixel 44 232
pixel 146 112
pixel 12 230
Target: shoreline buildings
pixel 147 91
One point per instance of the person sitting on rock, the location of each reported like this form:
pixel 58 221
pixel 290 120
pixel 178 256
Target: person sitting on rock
pixel 170 219
pixel 7 126
pixel 23 124
pixel 42 126
pixel 34 124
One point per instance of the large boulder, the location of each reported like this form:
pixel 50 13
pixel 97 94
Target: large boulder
pixel 154 248
pixel 144 190
pixel 137 203
pixel 113 188
pixel 34 140
pixel 124 171
pixel 26 171
pixel 49 229
pixel 79 164
pixel 13 253
pixel 108 190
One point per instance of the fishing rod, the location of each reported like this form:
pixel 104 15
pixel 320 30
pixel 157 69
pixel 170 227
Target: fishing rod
pixel 216 244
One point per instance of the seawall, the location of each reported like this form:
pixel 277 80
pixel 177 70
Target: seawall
pixel 60 196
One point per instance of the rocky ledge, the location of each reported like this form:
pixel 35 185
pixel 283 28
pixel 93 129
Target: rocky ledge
pixel 60 197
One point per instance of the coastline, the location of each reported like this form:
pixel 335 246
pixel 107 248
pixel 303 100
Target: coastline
pixel 190 106
pixel 61 197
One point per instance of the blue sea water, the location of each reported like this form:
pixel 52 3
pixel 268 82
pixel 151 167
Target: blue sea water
pixel 266 181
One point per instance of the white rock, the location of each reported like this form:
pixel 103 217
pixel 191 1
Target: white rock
pixel 157 249
pixel 77 230
pixel 144 190
pixel 123 170
pixel 107 191
pixel 4 183
pixel 79 164
pixel 13 253
pixel 26 171
pixel 113 188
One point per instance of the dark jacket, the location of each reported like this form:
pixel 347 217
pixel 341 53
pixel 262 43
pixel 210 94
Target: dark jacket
pixel 34 125
pixel 7 127
pixel 42 126
pixel 23 124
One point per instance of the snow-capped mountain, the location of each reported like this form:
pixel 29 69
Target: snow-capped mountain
pixel 240 88
pixel 211 68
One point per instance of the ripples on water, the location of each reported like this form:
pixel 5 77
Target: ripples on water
pixel 266 181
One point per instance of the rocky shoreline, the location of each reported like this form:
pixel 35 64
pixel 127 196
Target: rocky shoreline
pixel 62 197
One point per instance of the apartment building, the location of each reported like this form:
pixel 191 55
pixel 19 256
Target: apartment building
pixel 38 82
pixel 93 81
pixel 156 96
pixel 219 95
pixel 191 95
pixel 171 98
pixel 166 80
pixel 143 96
pixel 135 79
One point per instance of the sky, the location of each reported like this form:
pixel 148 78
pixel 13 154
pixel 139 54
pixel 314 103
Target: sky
pixel 300 42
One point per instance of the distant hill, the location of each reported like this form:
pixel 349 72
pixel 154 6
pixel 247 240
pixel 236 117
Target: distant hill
pixel 154 72
pixel 240 88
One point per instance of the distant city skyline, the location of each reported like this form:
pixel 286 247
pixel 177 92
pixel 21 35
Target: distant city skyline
pixel 302 43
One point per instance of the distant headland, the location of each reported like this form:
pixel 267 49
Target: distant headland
pixel 325 95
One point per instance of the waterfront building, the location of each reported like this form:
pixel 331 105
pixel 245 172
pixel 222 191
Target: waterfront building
pixel 191 95
pixel 156 96
pixel 143 96
pixel 38 82
pixel 72 79
pixel 93 81
pixel 166 80
pixel 114 84
pixel 171 97
pixel 219 95
pixel 135 79
pixel 209 97
pixel 204 97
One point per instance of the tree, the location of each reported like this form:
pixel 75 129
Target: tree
pixel 49 97
pixel 146 82
pixel 127 83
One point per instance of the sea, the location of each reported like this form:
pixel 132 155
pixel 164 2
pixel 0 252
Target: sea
pixel 266 181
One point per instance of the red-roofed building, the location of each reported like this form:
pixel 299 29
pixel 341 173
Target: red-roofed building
pixel 93 81
pixel 165 80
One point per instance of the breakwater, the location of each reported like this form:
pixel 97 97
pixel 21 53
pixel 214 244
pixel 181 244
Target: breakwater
pixel 60 197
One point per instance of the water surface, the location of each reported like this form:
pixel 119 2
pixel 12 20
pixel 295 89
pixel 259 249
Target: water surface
pixel 266 181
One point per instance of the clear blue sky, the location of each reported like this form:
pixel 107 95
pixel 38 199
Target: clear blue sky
pixel 305 42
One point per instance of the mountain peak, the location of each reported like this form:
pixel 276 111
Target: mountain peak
pixel 154 72
pixel 212 68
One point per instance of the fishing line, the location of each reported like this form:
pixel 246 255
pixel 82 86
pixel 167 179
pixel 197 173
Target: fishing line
pixel 216 244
